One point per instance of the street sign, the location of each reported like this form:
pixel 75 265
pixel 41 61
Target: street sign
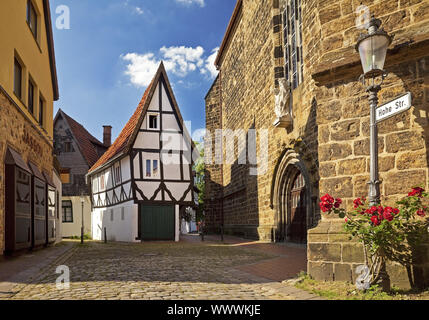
pixel 398 105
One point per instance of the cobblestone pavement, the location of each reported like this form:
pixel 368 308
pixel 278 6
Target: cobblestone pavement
pixel 155 271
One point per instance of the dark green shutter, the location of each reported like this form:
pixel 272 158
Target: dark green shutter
pixel 157 222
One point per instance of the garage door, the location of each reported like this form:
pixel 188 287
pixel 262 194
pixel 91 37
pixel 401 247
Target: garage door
pixel 157 222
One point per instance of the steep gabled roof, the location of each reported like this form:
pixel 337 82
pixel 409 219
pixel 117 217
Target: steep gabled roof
pixel 86 142
pixel 126 138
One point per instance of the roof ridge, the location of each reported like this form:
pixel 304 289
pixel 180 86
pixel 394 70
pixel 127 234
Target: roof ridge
pixel 121 141
pixel 79 124
pixel 84 140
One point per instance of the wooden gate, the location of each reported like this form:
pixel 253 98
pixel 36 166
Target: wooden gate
pixel 298 217
pixel 157 223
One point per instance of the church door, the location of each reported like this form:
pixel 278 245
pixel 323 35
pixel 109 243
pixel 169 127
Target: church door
pixel 298 218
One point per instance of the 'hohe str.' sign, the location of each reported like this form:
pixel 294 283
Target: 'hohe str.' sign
pixel 389 109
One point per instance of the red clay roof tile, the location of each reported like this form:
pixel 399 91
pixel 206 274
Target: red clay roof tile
pixel 85 140
pixel 123 138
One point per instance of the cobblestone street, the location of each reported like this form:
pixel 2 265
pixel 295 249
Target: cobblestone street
pixel 152 271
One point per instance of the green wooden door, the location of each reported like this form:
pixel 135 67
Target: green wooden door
pixel 157 222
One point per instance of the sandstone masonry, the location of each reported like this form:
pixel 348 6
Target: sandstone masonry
pixel 21 135
pixel 329 140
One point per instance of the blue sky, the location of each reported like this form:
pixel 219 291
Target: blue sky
pixel 113 47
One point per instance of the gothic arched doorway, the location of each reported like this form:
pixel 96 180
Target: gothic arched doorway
pixel 291 199
pixel 297 216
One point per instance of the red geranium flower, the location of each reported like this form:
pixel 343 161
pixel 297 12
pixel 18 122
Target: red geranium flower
pixel 416 192
pixel 327 198
pixel 327 202
pixel 421 213
pixel 375 220
pixel 357 203
pixel 338 203
pixel 371 211
pixel 388 215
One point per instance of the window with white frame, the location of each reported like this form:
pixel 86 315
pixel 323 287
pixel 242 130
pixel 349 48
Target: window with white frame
pixel 117 174
pixel 292 35
pixel 153 121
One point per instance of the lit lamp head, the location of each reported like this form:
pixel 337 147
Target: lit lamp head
pixel 372 48
pixel 82 198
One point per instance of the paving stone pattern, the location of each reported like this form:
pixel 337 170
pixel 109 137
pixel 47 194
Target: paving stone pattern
pixel 158 271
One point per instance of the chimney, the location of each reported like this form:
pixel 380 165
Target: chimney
pixel 107 135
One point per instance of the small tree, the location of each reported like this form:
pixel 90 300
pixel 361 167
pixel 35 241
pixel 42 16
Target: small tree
pixel 386 233
pixel 199 168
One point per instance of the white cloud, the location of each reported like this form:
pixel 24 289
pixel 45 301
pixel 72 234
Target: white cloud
pixel 210 64
pixel 190 2
pixel 141 68
pixel 138 10
pixel 180 61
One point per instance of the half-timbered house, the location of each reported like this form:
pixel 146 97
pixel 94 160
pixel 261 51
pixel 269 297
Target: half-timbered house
pixel 77 151
pixel 141 183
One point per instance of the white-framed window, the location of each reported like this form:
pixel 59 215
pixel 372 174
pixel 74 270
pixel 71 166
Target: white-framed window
pixel 155 167
pixel 153 121
pixel 117 174
pixel 151 168
pixel 102 184
pixel 148 169
pixel 292 36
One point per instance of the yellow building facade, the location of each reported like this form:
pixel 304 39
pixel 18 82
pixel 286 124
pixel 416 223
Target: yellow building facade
pixel 28 89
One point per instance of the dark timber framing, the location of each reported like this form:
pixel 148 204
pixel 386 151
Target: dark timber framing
pixel 162 83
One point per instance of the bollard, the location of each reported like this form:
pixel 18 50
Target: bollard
pixel 202 234
pixel 105 235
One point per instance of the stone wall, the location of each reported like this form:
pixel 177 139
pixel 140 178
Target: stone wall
pixel 213 172
pixel 343 122
pixel 329 138
pixel 250 65
pixel 19 133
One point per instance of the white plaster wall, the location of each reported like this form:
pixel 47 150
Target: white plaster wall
pixel 58 222
pixel 125 230
pixel 73 229
pixel 125 169
pixel 169 122
pixel 166 106
pixel 147 140
pixel 154 104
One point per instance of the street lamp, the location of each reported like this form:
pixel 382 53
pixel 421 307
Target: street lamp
pixel 82 201
pixel 372 48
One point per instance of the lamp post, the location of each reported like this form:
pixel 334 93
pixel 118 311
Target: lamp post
pixel 82 201
pixel 372 48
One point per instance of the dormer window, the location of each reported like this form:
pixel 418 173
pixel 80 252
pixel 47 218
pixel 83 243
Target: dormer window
pixel 153 122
